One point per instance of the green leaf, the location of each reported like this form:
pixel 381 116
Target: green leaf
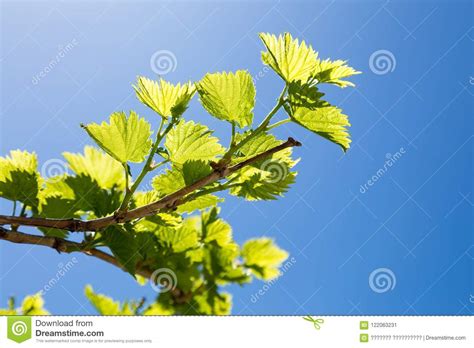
pixel 267 184
pixel 192 141
pixel 178 177
pixel 261 143
pixel 123 245
pixel 228 96
pixel 218 231
pixel 328 122
pixel 106 305
pixel 221 260
pixel 19 177
pixel 180 239
pixel 212 303
pixel 194 171
pixel 308 110
pixel 163 97
pixel 304 95
pixel 263 257
pixel 69 196
pixel 170 181
pixel 151 223
pixel 158 308
pixel 125 139
pixel 292 60
pixel 57 202
pixel 199 203
pixel 268 178
pixel 333 72
pixel 33 305
pixel 98 166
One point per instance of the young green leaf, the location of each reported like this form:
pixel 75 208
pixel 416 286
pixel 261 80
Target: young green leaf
pixel 19 177
pixel 127 139
pixel 97 165
pixel 333 72
pixel 106 305
pixel 228 96
pixel 33 305
pixel 308 110
pixel 218 231
pixel 212 302
pixel 292 60
pixel 264 184
pixel 266 179
pixel 179 239
pixel 328 122
pixel 123 245
pixel 263 257
pixel 180 176
pixel 192 141
pixel 163 97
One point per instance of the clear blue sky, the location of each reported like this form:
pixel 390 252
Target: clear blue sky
pixel 416 220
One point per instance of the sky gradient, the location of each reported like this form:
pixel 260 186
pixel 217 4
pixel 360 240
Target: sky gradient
pixel 412 107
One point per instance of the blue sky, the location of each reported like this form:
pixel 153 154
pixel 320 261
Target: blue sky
pixel 415 220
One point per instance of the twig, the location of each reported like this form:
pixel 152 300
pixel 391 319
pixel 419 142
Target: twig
pixel 62 245
pixel 168 202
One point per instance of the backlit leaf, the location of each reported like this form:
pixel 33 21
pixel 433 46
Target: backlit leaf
pixel 263 257
pixel 19 177
pixel 334 72
pixel 292 60
pixel 228 96
pixel 163 97
pixel 127 139
pixel 97 165
pixel 192 141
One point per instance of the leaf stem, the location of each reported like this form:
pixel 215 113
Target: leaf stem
pixel 261 127
pixel 23 210
pixel 279 123
pixel 232 139
pixel 127 179
pixel 147 166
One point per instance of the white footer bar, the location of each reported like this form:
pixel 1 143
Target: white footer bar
pixel 238 331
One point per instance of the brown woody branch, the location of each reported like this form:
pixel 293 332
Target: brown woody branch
pixel 168 202
pixel 62 245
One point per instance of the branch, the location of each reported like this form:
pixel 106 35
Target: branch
pixel 168 202
pixel 62 245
